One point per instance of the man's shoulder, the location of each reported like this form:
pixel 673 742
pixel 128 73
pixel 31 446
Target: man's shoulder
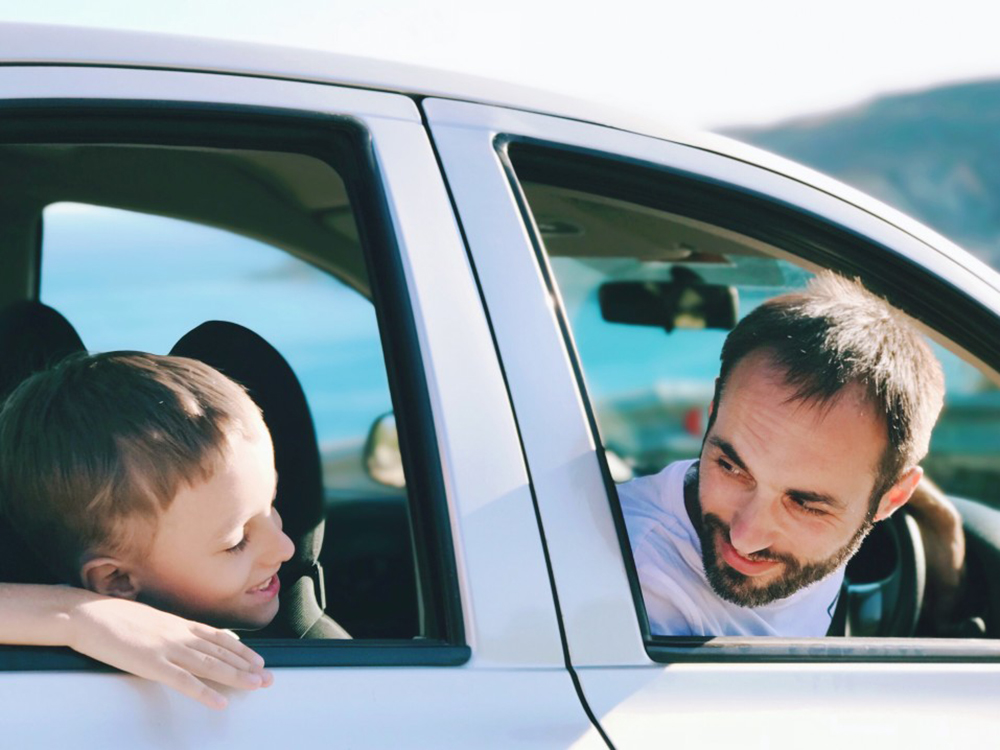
pixel 655 496
pixel 658 528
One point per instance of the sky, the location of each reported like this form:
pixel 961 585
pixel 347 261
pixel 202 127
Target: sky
pixel 700 63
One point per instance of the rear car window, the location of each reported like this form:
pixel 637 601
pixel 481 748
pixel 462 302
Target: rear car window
pixel 146 238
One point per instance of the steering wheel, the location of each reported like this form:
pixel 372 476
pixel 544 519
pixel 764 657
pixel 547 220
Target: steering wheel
pixel 884 581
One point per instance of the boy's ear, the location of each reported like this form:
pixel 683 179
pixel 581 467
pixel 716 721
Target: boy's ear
pixel 109 576
pixel 897 495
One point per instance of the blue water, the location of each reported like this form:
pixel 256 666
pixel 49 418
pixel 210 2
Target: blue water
pixel 134 281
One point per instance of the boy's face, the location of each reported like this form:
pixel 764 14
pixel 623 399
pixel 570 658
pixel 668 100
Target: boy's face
pixel 217 548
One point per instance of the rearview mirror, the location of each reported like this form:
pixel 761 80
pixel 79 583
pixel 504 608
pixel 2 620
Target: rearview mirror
pixel 680 303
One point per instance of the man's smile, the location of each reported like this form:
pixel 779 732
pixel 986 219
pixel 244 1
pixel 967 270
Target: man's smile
pixel 741 564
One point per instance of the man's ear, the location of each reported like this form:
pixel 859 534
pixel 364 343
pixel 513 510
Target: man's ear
pixel 897 495
pixel 715 399
pixel 109 576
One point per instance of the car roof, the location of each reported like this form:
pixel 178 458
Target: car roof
pixel 43 44
pixel 25 44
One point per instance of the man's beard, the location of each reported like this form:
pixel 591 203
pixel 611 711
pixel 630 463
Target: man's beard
pixel 742 590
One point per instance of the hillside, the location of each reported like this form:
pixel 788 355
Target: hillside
pixel 933 154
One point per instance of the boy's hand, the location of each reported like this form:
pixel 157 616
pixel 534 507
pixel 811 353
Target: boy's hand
pixel 165 648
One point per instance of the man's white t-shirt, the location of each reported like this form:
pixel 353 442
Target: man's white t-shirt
pixel 679 599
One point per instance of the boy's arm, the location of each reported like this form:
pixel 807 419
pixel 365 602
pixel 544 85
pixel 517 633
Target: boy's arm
pixel 132 637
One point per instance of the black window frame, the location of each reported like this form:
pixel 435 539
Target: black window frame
pixel 343 142
pixel 943 307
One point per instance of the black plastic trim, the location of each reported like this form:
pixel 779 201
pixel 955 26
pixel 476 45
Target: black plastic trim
pixel 834 650
pixel 276 653
pixel 36 282
pixel 345 144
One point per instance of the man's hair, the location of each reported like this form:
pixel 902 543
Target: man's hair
pixel 103 438
pixel 836 333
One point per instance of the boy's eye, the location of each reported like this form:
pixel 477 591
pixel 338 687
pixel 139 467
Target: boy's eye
pixel 240 545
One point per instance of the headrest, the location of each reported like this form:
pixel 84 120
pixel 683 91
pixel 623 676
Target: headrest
pixel 33 337
pixel 248 359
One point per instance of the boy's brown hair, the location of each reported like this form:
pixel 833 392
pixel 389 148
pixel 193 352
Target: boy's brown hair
pixel 102 438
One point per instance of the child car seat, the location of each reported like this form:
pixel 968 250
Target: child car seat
pixel 33 337
pixel 251 361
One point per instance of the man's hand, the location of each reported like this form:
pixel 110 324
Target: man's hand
pixel 944 545
pixel 165 648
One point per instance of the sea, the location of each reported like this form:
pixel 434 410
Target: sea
pixel 139 282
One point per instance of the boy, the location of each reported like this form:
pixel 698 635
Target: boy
pixel 147 479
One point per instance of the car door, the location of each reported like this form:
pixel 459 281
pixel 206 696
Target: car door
pixel 483 665
pixel 545 185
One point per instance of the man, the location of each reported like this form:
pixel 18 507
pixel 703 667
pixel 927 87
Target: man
pixel 822 410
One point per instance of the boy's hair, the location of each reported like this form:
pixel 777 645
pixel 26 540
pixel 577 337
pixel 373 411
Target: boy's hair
pixel 102 438
pixel 836 333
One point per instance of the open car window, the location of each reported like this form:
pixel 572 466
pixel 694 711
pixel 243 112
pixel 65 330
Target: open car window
pixel 650 280
pixel 137 281
pixel 146 238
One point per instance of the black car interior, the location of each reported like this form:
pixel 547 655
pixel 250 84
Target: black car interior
pixel 33 336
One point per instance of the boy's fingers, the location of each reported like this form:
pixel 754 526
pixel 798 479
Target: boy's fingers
pixel 223 654
pixel 187 684
pixel 209 667
pixel 230 642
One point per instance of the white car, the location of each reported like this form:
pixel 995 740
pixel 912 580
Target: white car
pixel 433 255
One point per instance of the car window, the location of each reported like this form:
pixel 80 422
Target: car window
pixel 137 281
pixel 142 243
pixel 648 293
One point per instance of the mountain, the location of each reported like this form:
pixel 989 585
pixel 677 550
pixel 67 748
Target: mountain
pixel 933 154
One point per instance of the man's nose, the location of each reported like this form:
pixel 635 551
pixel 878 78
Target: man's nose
pixel 753 526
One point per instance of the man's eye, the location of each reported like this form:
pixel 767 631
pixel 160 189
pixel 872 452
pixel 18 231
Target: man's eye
pixel 727 466
pixel 806 507
pixel 240 545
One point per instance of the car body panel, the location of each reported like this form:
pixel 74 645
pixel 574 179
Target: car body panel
pixel 345 707
pixel 637 702
pixel 498 551
pixel 546 600
pixel 786 706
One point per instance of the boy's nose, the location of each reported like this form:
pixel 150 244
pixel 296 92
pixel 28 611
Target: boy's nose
pixel 285 547
pixel 752 528
pixel 281 546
